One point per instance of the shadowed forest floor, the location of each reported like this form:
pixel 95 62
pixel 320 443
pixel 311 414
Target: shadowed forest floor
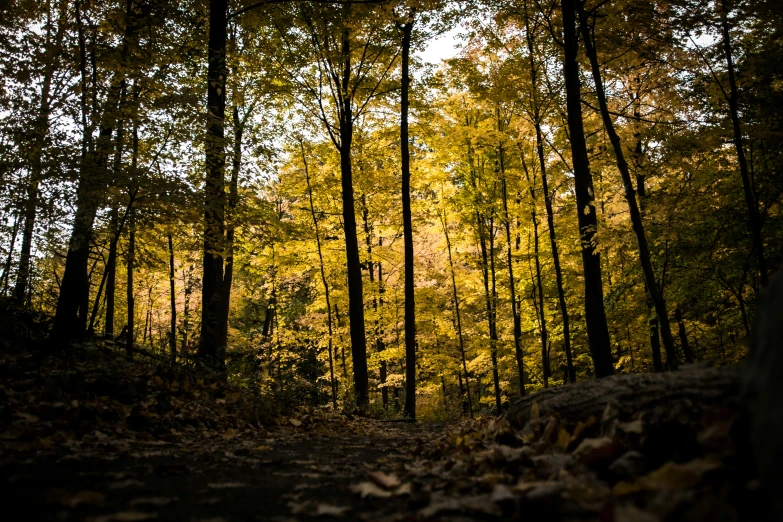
pixel 91 437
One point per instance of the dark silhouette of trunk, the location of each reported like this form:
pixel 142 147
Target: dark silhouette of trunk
pixel 488 267
pixel 595 314
pixel 548 202
pixel 379 344
pixel 70 320
pixel 459 317
pixel 537 284
pixel 233 199
pixel 655 344
pixel 9 259
pixel 186 310
pixel 407 227
pixel 754 221
pixel 686 347
pixel 111 274
pixel 630 196
pixel 355 292
pixel 173 298
pixel 511 282
pixel 38 140
pixel 342 344
pixel 131 261
pixel 323 276
pixel 211 350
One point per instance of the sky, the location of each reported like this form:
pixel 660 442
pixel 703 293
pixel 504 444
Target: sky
pixel 441 48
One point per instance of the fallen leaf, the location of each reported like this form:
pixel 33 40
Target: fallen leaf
pixel 328 510
pixel 230 433
pixel 383 480
pixel 592 451
pixel 152 501
pixel 126 516
pixel 671 476
pixel 27 417
pixel 501 493
pixel 295 422
pixel 86 498
pixel 226 485
pixel 369 489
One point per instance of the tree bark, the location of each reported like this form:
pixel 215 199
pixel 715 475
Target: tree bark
pixel 630 196
pixel 754 220
pixel 459 317
pixel 38 139
pixel 355 292
pixel 130 265
pixel 511 282
pixel 323 276
pixel 407 227
pixel 595 314
pixel 694 388
pixel 211 351
pixel 173 299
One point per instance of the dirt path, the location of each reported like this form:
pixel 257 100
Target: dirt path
pixel 289 475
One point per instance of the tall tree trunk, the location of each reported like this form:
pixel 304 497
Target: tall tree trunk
pixel 407 226
pixel 686 347
pixel 323 276
pixel 233 199
pixel 754 220
pixel 511 280
pixel 546 371
pixel 70 320
pixel 630 196
pixel 9 259
pixel 490 288
pixel 342 344
pixel 111 274
pixel 173 298
pixel 595 314
pixel 186 309
pixel 211 350
pixel 355 292
pixel 548 202
pixel 457 311
pixel 380 345
pixel 38 140
pixel 130 265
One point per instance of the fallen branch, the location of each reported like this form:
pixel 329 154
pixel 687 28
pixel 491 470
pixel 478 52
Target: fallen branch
pixel 697 386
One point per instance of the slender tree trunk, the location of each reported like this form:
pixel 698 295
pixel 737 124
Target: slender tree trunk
pixel 548 202
pixel 686 347
pixel 457 311
pixel 233 199
pixel 342 344
pixel 323 276
pixel 595 314
pixel 380 345
pixel 355 292
pixel 407 226
pixel 130 265
pixel 186 310
pixel 9 259
pixel 754 219
pixel 492 308
pixel 211 351
pixel 173 296
pixel 537 283
pixel 111 274
pixel 40 135
pixel 511 280
pixel 630 196
pixel 70 320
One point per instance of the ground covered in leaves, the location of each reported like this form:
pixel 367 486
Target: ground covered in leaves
pixel 92 437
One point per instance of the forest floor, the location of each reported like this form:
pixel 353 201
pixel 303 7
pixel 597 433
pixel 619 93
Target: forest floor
pixel 95 438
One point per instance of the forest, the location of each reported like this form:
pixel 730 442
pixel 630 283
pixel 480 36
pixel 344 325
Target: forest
pixel 279 214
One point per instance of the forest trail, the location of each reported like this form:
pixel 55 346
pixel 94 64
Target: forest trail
pixel 281 475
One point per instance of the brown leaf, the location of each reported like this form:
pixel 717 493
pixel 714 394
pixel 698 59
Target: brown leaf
pixel 328 510
pixel 127 516
pixel 230 433
pixel 295 422
pixel 383 480
pixel 671 476
pixel 369 489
